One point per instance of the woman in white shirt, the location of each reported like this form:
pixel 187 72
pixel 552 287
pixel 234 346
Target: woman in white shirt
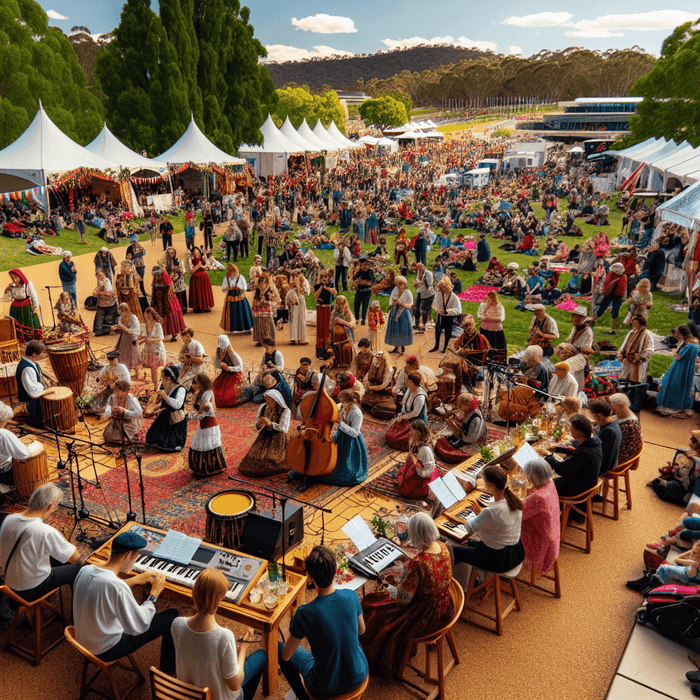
pixel 125 412
pixel 563 384
pixel 205 652
pixel 206 456
pixel 152 347
pixel 129 329
pixel 420 468
pixel 229 387
pixel 352 465
pixel 499 548
pixel 492 314
pixel 168 432
pixel 447 307
pixel 237 316
pixel 413 407
pixel 399 331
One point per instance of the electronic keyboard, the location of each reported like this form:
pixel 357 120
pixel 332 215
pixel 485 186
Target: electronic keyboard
pixel 240 570
pixel 370 562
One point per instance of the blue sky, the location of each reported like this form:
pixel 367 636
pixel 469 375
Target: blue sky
pixel 301 29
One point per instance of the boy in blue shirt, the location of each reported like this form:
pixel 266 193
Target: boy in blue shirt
pixel 332 624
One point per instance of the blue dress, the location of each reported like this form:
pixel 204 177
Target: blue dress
pixel 352 465
pixel 677 383
pixel 399 325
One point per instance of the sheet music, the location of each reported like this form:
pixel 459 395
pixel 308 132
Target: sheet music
pixel 178 547
pixel 525 454
pixel 455 487
pixel 448 490
pixel 359 533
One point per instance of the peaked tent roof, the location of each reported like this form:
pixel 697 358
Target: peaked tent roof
pixel 274 141
pixel 288 130
pixel 684 208
pixel 43 148
pixel 305 131
pixel 631 150
pixel 685 153
pixel 109 146
pixel 335 133
pixel 194 146
pixel 321 134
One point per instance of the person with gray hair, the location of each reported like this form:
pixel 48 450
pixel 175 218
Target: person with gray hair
pixel 632 441
pixel 535 372
pixel 419 605
pixel 35 557
pixel 541 527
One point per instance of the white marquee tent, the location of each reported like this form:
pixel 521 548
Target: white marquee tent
pixel 109 146
pixel 322 135
pixel 683 209
pixel 305 131
pixel 41 150
pixel 335 133
pixel 270 158
pixel 295 137
pixel 193 146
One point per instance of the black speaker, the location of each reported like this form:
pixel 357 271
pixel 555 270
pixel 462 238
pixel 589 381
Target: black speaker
pixel 263 532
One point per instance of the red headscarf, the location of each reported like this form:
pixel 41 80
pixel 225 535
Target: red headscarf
pixel 19 274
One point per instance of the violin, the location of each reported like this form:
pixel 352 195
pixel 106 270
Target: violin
pixel 312 451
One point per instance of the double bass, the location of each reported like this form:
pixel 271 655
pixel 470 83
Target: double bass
pixel 312 451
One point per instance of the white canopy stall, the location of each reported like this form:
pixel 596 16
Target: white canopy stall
pixel 319 131
pixel 302 144
pixel 270 158
pixel 305 131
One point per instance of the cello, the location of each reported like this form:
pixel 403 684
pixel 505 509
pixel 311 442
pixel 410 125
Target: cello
pixel 311 451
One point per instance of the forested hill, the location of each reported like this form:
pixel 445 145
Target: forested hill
pixel 341 73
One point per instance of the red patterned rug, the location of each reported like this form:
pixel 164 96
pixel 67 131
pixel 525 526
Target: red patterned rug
pixel 176 499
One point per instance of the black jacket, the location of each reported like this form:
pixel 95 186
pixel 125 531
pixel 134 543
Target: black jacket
pixel 579 471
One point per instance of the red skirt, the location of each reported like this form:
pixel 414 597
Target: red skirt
pixel 201 296
pixel 397 436
pixel 173 323
pixel 447 453
pixel 411 484
pixel 230 390
pixel 323 326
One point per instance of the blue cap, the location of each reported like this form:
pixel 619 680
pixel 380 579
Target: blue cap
pixel 134 237
pixel 128 542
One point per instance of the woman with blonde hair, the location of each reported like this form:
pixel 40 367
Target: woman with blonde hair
pixel 399 331
pixel 640 302
pixel 492 314
pixel 296 305
pixel 420 468
pixel 447 306
pixel 125 412
pixel 176 272
pixel 265 300
pixel 152 347
pixel 342 333
pixel 126 285
pixel 205 652
pixel 236 316
pixel 129 330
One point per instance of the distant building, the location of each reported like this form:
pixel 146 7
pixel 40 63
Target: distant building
pixel 352 98
pixel 584 118
pixel 525 154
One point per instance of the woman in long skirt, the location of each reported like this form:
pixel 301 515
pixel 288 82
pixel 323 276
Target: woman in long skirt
pixel 126 285
pixel 419 469
pixel 399 330
pixel 352 464
pixel 413 407
pixel 676 394
pixel 129 330
pixel 168 432
pixel 152 347
pixel 229 387
pixel 125 413
pixel 206 456
pixel 324 293
pixel 201 295
pixel 492 314
pixel 265 300
pixel 268 454
pixel 109 375
pixel 236 316
pixel 25 307
pixel 176 270
pixel 165 303
pixel 296 304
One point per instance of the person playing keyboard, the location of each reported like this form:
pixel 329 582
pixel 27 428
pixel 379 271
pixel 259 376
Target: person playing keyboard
pixel 108 620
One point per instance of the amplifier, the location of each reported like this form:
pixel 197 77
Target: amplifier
pixel 263 532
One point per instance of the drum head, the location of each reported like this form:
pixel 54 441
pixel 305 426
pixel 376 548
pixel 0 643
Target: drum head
pixel 228 504
pixel 59 393
pixel 66 347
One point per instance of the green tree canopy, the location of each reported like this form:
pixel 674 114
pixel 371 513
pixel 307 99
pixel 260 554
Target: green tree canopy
pixel 671 92
pixel 37 62
pixel 384 111
pixel 145 95
pixel 298 104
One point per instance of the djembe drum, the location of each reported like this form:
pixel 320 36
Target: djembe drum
pixel 58 409
pixel 32 472
pixel 226 515
pixel 70 364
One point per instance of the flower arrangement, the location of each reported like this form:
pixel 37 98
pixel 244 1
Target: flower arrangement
pixel 566 303
pixel 343 573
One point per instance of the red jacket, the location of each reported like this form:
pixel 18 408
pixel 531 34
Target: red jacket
pixel 620 287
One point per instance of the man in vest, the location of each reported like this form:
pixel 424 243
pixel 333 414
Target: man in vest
pixel 30 387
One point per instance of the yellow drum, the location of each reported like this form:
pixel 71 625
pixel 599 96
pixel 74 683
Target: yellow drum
pixel 58 409
pixel 32 472
pixel 226 515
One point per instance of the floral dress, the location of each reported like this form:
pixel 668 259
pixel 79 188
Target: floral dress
pixel 422 604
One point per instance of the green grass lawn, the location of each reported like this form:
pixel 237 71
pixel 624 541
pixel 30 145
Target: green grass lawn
pixel 661 318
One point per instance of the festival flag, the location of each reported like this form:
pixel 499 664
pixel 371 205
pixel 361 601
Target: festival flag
pixel 631 182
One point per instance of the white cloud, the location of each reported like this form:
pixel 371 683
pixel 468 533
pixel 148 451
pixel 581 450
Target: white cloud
pixel 437 40
pixel 279 53
pixel 52 14
pixel 541 19
pixel 593 33
pixel 325 24
pixel 515 51
pixel 657 20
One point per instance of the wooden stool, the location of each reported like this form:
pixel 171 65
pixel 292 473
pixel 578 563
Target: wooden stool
pixel 569 503
pixel 350 695
pixel 612 478
pixel 106 667
pixel 434 641
pixel 33 612
pixel 551 575
pixel 165 687
pixel 495 583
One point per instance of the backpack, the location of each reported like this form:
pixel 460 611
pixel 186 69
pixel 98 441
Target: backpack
pixel 673 610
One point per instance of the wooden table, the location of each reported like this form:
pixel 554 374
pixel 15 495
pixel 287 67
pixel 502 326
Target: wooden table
pixel 268 621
